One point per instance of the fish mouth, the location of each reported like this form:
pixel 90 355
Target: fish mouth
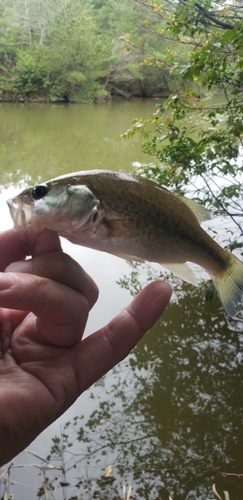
pixel 20 213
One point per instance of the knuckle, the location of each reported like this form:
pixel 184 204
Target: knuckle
pixel 117 352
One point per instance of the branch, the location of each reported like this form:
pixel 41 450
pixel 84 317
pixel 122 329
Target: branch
pixel 5 70
pixel 209 16
pixel 221 204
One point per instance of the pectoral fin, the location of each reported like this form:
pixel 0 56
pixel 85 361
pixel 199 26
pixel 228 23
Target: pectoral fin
pixel 183 271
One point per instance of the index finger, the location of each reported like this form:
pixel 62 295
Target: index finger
pixel 38 240
pixel 11 248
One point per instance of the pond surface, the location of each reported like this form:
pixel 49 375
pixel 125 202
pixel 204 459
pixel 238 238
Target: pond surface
pixel 168 420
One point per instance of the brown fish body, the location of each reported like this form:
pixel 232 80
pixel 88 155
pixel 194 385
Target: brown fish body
pixel 133 218
pixel 144 220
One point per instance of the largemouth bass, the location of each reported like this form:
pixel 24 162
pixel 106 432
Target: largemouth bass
pixel 133 218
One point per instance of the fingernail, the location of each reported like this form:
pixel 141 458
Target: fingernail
pixel 6 281
pixel 22 266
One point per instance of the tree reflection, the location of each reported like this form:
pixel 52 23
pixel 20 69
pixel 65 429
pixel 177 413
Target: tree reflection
pixel 171 420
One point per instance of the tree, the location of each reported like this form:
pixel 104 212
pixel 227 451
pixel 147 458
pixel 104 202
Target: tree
pixel 137 68
pixel 52 50
pixel 73 50
pixel 196 136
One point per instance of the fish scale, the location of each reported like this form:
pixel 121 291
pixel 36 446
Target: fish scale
pixel 133 218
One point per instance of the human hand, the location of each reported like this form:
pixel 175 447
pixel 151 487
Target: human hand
pixel 44 363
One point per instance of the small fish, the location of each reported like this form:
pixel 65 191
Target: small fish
pixel 133 218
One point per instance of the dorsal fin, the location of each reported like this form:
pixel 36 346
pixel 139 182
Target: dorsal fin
pixel 199 211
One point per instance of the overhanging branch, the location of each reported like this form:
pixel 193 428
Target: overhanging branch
pixel 209 16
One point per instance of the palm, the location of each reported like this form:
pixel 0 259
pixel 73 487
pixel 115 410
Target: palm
pixel 34 380
pixel 44 363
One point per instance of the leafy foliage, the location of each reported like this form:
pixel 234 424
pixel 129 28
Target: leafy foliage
pixel 57 52
pixel 196 136
pixel 70 50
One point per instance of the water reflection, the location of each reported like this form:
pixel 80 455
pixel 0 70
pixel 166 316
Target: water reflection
pixel 169 418
pixel 169 421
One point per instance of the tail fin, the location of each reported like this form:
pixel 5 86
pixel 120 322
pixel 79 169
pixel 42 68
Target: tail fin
pixel 229 286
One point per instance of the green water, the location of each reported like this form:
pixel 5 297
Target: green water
pixel 40 141
pixel 168 419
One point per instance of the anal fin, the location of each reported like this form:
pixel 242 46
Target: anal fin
pixel 126 256
pixel 183 271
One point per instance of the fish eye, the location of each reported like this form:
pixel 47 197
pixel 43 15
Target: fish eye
pixel 39 192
